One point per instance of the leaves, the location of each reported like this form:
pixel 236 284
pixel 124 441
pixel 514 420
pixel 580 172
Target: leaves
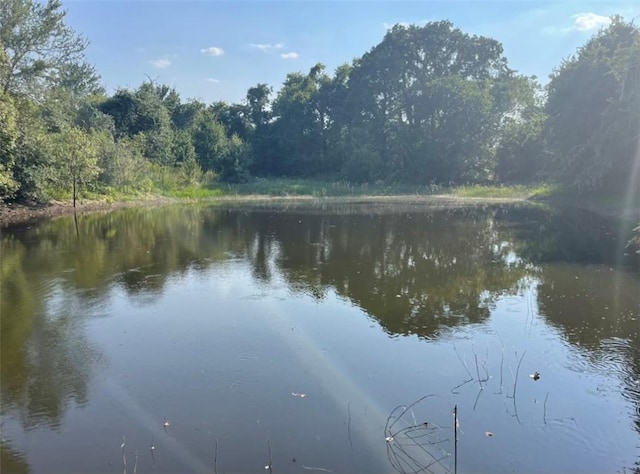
pixel 594 111
pixel 37 45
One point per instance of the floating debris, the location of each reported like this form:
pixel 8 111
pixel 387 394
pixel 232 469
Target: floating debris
pixel 321 469
pixel 535 376
pixel 299 395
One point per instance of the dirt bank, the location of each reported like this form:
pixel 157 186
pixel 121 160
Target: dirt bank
pixel 25 213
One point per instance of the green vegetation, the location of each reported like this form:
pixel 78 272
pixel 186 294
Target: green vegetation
pixel 397 120
pixel 320 188
pixel 515 191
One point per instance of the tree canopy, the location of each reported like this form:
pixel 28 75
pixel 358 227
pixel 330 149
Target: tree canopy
pixel 427 105
pixel 593 109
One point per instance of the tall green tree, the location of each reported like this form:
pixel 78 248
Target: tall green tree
pixel 38 46
pixel 8 139
pixel 143 112
pixel 235 118
pixel 209 141
pixel 594 113
pixel 434 98
pixel 75 160
pixel 184 114
pixel 301 123
pixel 260 129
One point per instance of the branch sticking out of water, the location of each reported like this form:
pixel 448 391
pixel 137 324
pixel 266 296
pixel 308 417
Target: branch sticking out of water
pixel 515 382
pixel 124 455
pixel 455 439
pixel 462 362
pixel 269 466
pixel 417 445
pixel 478 371
pixel 501 369
pixel 349 424
pixel 215 458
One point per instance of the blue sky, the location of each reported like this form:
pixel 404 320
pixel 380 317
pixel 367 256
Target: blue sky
pixel 215 50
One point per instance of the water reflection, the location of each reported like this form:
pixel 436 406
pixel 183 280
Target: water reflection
pixel 12 461
pixel 46 359
pixel 413 270
pixel 599 311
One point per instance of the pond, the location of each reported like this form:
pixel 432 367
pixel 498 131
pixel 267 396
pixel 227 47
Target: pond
pixel 320 337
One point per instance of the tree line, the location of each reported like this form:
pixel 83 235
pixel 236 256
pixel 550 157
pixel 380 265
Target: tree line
pixel 428 105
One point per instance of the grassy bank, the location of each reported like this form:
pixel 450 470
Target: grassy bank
pixel 316 188
pixel 616 206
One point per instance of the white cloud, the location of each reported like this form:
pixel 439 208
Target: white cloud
pixel 581 22
pixel 290 55
pixel 589 21
pixel 213 51
pixel 266 47
pixel 212 80
pixel 161 63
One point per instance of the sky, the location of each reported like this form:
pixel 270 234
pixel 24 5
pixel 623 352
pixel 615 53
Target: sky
pixel 215 50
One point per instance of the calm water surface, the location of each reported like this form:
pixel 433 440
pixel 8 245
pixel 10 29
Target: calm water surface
pixel 326 338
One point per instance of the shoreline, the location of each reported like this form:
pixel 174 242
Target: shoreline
pixel 13 214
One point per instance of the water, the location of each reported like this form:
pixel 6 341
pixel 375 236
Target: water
pixel 257 338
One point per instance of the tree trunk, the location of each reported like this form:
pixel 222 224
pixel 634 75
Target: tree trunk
pixel 74 191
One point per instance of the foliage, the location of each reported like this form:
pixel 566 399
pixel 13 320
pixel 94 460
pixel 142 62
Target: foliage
pixel 74 160
pixel 38 46
pixel 8 139
pixel 428 106
pixel 594 112
pixel 433 97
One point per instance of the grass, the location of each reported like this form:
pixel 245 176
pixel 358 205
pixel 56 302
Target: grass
pixel 289 187
pixel 515 191
pixel 320 188
pixel 194 193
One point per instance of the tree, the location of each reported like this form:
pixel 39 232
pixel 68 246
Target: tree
pixel 8 139
pixel 76 160
pixel 209 140
pixel 142 112
pixel 183 115
pixel 182 148
pixel 258 104
pixel 520 152
pixel 31 159
pixel 235 118
pixel 434 99
pixel 122 163
pixel 301 123
pixel 37 44
pixel 594 113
